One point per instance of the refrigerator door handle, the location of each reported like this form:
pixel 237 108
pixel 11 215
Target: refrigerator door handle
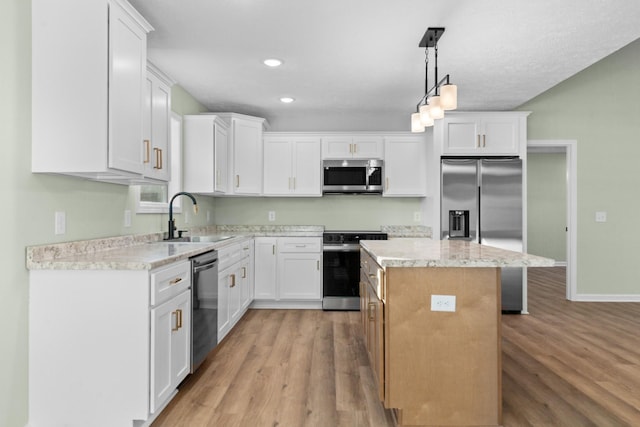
pixel 478 228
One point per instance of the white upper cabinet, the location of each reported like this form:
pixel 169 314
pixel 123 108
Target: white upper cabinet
pixel 89 74
pixel 292 166
pixel 405 171
pixel 478 134
pixel 205 150
pixel 352 146
pixel 156 122
pixel 245 153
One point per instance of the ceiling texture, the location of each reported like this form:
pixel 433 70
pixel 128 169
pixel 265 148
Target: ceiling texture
pixel 360 58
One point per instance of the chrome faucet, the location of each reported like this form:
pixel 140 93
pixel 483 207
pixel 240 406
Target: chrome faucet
pixel 172 221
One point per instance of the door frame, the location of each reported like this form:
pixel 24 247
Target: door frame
pixel 571 153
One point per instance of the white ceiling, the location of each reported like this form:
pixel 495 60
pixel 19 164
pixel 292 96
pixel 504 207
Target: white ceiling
pixel 360 58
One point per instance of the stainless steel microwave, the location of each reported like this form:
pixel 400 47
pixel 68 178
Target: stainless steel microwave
pixel 353 176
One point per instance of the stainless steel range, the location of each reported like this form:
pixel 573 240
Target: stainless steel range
pixel 341 268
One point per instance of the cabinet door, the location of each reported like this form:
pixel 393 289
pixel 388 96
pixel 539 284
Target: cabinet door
pixel 337 147
pixel 170 347
pixel 247 156
pixel 246 295
pixel 299 276
pixel 481 135
pixel 236 278
pixel 199 153
pixel 221 143
pixel 156 117
pixel 307 167
pixel 375 338
pixel 265 268
pixel 224 315
pixel 367 147
pixel 277 166
pixel 461 135
pixel 160 118
pixel 405 167
pixel 127 45
pixel 181 340
pixel 500 136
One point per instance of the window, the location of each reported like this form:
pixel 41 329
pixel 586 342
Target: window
pixel 155 198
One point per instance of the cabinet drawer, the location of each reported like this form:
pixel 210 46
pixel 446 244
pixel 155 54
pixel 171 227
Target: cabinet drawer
pixel 233 254
pixel 167 282
pixel 308 244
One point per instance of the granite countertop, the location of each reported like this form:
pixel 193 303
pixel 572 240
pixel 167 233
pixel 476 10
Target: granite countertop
pixel 148 251
pixel 420 252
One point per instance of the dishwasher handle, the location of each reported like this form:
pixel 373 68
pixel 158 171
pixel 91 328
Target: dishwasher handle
pixel 204 267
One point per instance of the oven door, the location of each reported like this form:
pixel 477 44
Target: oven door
pixel 341 276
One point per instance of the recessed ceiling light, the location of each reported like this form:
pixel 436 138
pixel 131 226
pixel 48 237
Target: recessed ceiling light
pixel 272 62
pixel 287 100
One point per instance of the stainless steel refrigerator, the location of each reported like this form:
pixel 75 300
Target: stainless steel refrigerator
pixel 481 201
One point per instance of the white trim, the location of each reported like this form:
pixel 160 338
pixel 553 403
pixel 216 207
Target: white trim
pixel 606 298
pixel 560 264
pixel 288 304
pixel 571 146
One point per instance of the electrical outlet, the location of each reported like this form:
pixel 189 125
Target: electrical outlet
pixel 208 217
pixel 186 217
pixel 127 218
pixel 601 217
pixel 272 215
pixel 443 303
pixel 60 223
pixel 417 216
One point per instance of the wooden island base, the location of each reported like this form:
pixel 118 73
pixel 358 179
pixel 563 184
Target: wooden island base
pixel 435 368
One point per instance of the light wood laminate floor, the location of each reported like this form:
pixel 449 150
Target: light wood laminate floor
pixel 565 364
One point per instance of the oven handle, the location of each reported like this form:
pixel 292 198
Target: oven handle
pixel 341 248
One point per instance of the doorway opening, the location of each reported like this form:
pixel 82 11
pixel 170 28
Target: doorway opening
pixel 568 148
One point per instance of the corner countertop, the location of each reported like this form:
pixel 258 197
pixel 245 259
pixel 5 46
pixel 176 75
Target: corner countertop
pixel 420 252
pixel 148 251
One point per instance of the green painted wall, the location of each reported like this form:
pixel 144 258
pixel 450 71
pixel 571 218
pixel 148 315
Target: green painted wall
pixel 547 205
pixel 93 209
pixel 337 212
pixel 600 108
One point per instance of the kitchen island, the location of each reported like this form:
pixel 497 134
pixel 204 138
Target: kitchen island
pixel 431 318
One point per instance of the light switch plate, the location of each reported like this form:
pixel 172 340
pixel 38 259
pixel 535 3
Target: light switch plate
pixel 127 218
pixel 60 222
pixel 443 303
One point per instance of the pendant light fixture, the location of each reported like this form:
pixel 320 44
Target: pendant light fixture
pixel 443 96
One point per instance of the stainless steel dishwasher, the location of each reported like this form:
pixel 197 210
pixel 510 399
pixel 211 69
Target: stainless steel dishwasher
pixel 204 306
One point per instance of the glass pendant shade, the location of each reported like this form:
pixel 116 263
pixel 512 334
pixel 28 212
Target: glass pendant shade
pixel 416 123
pixel 435 109
pixel 425 116
pixel 449 97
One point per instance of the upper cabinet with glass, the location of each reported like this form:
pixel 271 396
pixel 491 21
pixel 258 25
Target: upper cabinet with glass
pixel 89 76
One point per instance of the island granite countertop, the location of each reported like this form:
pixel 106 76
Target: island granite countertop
pixel 421 252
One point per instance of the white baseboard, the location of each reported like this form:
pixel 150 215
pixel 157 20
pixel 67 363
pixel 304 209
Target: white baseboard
pixel 289 305
pixel 607 298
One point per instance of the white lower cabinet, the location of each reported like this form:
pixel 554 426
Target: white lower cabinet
pixel 107 347
pixel 288 272
pixel 170 347
pixel 234 285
